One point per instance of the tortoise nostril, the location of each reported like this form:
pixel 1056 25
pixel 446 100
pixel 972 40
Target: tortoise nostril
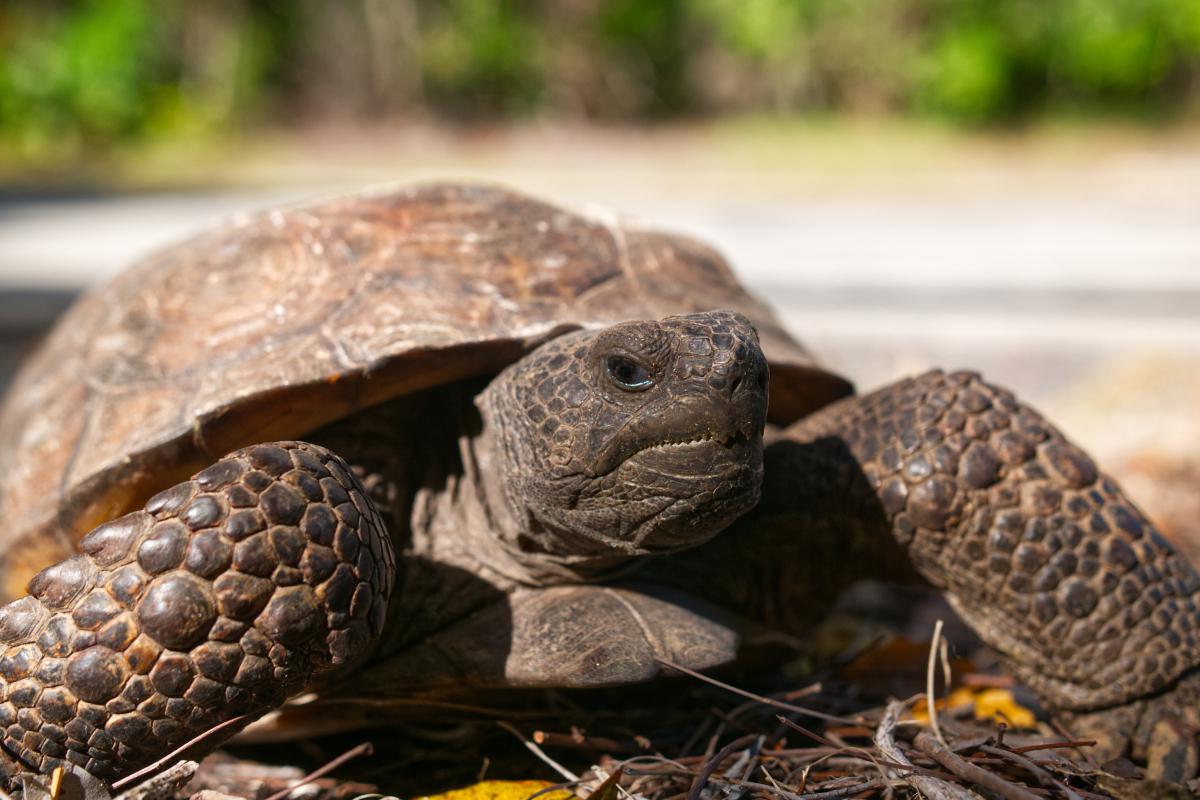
pixel 749 379
pixel 736 382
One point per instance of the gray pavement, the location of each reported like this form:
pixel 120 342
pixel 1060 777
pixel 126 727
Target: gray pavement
pixel 1037 289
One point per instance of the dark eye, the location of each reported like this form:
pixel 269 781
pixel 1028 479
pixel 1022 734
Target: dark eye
pixel 628 374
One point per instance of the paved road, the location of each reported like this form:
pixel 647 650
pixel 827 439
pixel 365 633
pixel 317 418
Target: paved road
pixel 1038 291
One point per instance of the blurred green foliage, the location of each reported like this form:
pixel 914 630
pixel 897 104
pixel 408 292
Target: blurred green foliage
pixel 77 75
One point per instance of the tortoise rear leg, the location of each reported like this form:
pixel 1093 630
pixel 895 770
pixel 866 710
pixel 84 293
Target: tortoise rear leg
pixel 224 596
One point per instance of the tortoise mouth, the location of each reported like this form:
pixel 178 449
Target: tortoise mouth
pixel 730 440
pixel 697 442
pixel 696 457
pixel 709 482
pixel 693 459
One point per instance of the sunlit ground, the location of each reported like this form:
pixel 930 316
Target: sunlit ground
pixel 1062 261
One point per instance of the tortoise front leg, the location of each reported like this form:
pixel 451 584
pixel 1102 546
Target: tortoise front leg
pixel 1038 551
pixel 224 596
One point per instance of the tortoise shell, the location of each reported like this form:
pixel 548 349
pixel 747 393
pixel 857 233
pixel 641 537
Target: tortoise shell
pixel 279 323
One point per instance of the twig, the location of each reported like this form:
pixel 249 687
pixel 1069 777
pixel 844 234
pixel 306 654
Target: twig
pixel 554 787
pixel 383 705
pixel 609 787
pixel 812 688
pixel 1040 774
pixel 696 736
pixel 826 794
pixel 164 785
pixel 642 764
pixel 933 788
pixel 865 754
pixel 758 697
pixel 154 766
pixel 845 791
pixel 942 754
pixel 364 749
pixel 701 779
pixel 1084 754
pixel 1073 744
pixel 771 778
pixel 930 698
pixel 976 680
pixel 537 751
pixel 578 741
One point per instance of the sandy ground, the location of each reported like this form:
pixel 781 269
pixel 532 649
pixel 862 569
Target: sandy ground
pixel 1065 264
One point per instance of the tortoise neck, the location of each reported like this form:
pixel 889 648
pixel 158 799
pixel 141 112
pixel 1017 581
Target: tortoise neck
pixel 505 539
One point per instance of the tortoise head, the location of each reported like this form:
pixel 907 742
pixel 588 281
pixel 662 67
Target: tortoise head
pixel 645 437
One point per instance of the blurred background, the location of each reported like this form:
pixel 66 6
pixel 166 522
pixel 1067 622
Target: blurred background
pixel 1010 185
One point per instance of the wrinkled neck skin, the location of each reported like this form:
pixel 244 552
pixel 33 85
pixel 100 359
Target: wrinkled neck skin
pixel 511 542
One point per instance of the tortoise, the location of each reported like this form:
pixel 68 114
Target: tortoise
pixel 448 436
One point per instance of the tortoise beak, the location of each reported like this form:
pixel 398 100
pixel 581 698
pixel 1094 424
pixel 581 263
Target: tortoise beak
pixel 730 416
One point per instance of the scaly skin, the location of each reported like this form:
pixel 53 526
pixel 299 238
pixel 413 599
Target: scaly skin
pixel 240 587
pixel 228 593
pixel 1041 553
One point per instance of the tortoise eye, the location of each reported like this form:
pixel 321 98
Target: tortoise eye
pixel 628 374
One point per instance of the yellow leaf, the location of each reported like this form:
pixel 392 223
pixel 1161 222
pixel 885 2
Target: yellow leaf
pixel 998 705
pixel 959 698
pixel 502 790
